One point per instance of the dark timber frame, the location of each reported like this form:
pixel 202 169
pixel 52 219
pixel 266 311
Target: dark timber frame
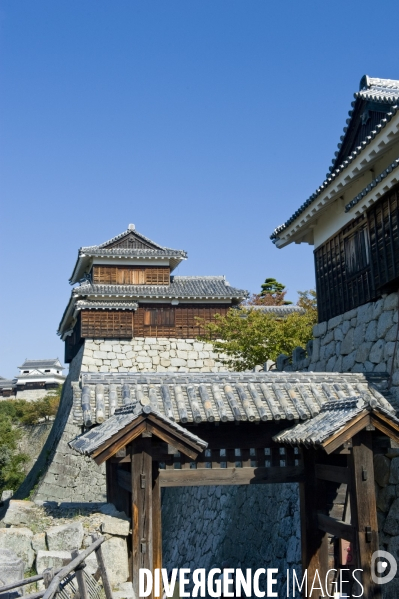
pixel 337 495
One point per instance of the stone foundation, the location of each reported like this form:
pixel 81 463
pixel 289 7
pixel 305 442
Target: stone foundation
pixel 149 354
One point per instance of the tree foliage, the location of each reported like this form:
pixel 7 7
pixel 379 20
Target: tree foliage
pixel 273 294
pixel 247 338
pixel 13 413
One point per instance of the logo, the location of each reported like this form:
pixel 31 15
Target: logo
pixel 383 567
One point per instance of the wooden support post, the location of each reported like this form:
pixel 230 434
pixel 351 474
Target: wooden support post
pixel 363 508
pixel 313 540
pixel 142 546
pixel 156 519
pixel 103 569
pixel 80 577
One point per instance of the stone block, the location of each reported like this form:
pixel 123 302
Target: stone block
pixel 190 363
pixel 369 366
pixel 165 363
pixel 104 368
pixel 391 302
pixel 156 360
pixel 11 567
pixel 39 542
pixel 106 347
pixel 316 350
pixel 391 525
pixel 199 363
pixel 319 329
pixel 117 348
pixel 338 334
pixel 182 354
pixel 338 364
pixel 377 351
pixel 381 469
pixel 331 363
pixel 371 331
pixel 347 344
pixel 348 361
pixel 377 308
pixel 392 333
pixel 178 362
pixel 115 526
pixel 363 352
pixel 65 537
pixel 19 541
pixel 334 322
pixel 364 313
pixel 329 350
pixel 350 314
pixel 394 473
pixel 358 334
pixel 19 512
pixel 381 367
pixel 100 355
pixel 385 321
pixel 385 498
pixel 328 337
pixel 150 341
pixel 52 559
pixel 143 360
pixel 115 556
pixel 197 346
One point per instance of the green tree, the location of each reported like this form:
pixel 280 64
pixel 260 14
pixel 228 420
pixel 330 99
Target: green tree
pixel 273 294
pixel 11 460
pixel 247 338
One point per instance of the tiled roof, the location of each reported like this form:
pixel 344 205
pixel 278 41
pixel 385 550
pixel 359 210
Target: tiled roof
pixel 180 287
pixel 210 397
pixel 7 383
pixel 103 251
pixel 371 185
pixel 131 229
pixel 279 310
pixel 92 305
pixel 86 444
pixel 50 363
pixel 372 89
pixel 384 91
pixel 333 417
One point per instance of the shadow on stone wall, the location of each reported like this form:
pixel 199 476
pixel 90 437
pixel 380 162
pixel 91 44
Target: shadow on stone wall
pixel 254 526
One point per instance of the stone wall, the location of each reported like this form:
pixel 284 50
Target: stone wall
pixel 361 340
pixel 59 474
pixel 149 354
pixel 253 526
pixel 32 441
pixel 32 394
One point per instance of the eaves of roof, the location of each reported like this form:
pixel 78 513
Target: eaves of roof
pixel 378 95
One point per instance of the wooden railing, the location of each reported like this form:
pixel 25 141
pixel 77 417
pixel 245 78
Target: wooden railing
pixel 53 578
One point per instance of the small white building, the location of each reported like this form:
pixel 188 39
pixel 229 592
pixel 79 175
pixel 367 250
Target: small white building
pixel 35 378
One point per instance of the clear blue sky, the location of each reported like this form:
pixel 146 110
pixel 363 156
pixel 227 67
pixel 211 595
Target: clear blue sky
pixel 204 122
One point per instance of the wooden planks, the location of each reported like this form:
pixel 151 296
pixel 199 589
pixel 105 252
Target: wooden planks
pixel 336 474
pixel 229 476
pixel 363 508
pixel 336 528
pixel 142 529
pixel 130 275
pixel 107 323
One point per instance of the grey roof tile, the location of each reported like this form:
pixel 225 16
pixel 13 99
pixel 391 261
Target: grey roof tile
pixel 90 441
pixel 333 417
pixel 180 287
pixel 371 185
pixel 93 305
pixel 215 397
pixel 44 363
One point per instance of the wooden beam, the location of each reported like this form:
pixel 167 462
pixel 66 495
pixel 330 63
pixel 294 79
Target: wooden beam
pixel 121 442
pixel 335 474
pixel 385 426
pixel 336 528
pixel 229 476
pixel 354 427
pixel 156 519
pixel 168 438
pixel 314 542
pixel 363 508
pixel 110 442
pixel 141 477
pixel 173 433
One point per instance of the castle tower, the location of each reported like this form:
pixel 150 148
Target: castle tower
pixel 127 313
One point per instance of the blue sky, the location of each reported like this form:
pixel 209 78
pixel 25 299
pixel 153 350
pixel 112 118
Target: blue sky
pixel 204 122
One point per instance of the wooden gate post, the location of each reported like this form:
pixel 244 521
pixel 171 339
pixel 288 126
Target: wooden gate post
pixel 363 508
pixel 314 542
pixel 156 517
pixel 142 546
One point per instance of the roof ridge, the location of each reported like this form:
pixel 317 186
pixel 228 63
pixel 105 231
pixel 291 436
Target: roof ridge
pixel 126 232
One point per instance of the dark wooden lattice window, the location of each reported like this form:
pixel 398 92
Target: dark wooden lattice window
pixel 159 317
pixel 107 323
